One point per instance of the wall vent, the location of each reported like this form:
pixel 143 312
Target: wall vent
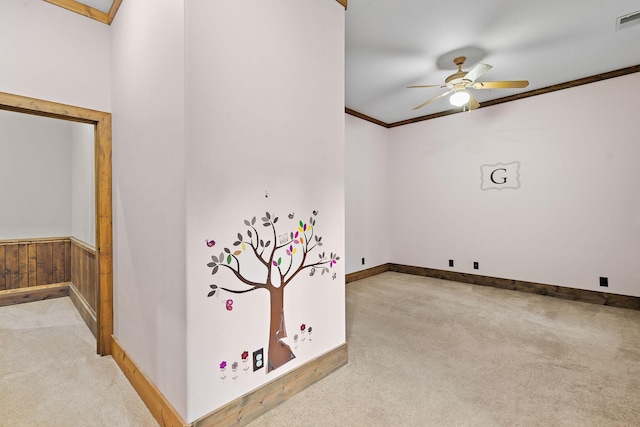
pixel 625 21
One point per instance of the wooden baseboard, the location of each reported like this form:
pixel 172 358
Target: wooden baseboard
pixel 82 306
pixel 34 293
pixel 158 405
pixel 363 274
pixel 249 407
pixel 593 297
pixel 242 410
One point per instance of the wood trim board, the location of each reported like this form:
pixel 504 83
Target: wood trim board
pixel 103 164
pixel 36 293
pixel 84 309
pixel 249 407
pixel 541 91
pixel 363 274
pixel 574 294
pixel 158 405
pixel 242 410
pixel 83 9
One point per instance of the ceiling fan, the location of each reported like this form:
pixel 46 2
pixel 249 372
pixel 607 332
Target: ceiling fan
pixel 459 83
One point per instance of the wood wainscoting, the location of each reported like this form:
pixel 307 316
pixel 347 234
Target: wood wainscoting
pixel 83 272
pixel 84 283
pixel 34 262
pixel 38 269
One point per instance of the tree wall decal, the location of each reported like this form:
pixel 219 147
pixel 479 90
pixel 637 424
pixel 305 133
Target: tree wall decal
pixel 281 262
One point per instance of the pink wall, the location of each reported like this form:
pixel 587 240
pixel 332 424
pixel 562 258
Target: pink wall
pixel 149 191
pixel 265 114
pixel 575 216
pixel 50 53
pixel 367 187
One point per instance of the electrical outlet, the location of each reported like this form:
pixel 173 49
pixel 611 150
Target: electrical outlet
pixel 604 281
pixel 362 261
pixel 258 359
pixel 450 263
pixel 476 265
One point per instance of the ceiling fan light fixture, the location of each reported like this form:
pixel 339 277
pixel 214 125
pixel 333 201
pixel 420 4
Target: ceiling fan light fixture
pixel 459 98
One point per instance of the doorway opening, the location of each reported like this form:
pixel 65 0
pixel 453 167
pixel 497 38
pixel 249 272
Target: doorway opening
pixel 101 121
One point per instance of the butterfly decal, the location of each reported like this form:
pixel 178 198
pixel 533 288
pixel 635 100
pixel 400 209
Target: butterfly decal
pixel 229 304
pixel 210 243
pixel 291 215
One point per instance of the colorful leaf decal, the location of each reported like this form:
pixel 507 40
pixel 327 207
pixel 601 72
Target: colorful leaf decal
pixel 211 264
pixel 275 220
pixel 268 215
pixel 244 247
pixel 214 258
pixel 253 220
pixel 279 261
pixel 229 259
pixel 227 250
pixel 236 253
pixel 275 263
pixel 215 270
pixel 247 223
pixel 249 233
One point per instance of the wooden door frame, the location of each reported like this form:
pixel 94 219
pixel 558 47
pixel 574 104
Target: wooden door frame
pixel 104 237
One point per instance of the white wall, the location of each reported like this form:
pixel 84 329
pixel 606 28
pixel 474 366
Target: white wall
pixel 83 187
pixel 35 171
pixel 148 191
pixel 367 187
pixel 50 53
pixel 576 216
pixel 265 115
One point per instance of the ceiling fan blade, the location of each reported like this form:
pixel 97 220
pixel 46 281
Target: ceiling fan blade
pixel 501 85
pixel 433 99
pixel 411 87
pixel 473 102
pixel 476 72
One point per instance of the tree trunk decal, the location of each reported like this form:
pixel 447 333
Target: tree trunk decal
pixel 283 261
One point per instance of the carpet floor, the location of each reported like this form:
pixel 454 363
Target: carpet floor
pixel 422 352
pixel 428 352
pixel 50 374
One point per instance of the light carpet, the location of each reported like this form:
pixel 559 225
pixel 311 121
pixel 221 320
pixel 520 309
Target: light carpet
pixel 50 374
pixel 428 352
pixel 422 352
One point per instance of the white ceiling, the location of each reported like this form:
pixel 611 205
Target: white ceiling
pixel 391 44
pixel 102 5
